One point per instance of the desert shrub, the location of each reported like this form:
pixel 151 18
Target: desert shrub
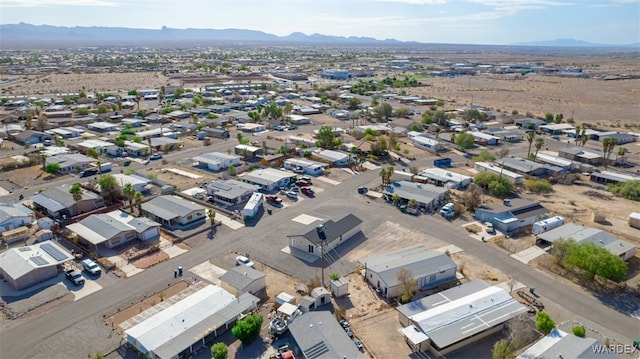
pixel 578 331
pixel 544 323
pixel 629 190
pixel 538 186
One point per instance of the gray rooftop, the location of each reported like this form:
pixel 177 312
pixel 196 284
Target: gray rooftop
pixel 215 158
pixel 517 205
pixel 320 336
pixel 241 277
pixel 170 207
pixel 566 347
pixel 421 192
pixel 18 262
pixel 333 230
pixel 266 176
pixel 11 210
pixel 231 189
pixel 519 164
pixel 419 260
pixel 461 313
pixel 58 197
pixel 586 234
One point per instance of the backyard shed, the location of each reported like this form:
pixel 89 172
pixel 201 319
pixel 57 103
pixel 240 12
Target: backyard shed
pixel 634 220
pixel 339 287
pixel 547 224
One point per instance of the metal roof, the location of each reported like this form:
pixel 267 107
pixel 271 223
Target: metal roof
pixel 519 164
pixel 241 277
pixel 559 344
pixel 419 260
pixel 10 210
pixel 461 314
pixel 319 336
pixel 47 202
pixel 421 192
pixel 266 176
pixel 586 234
pixel 333 230
pixel 176 327
pixel 231 189
pixel 170 207
pixel 18 262
pixel 215 158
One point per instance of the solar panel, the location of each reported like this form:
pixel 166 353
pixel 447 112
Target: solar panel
pixel 39 261
pixel 54 252
pixel 316 351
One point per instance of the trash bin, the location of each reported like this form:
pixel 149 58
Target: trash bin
pixel 180 271
pixel 532 289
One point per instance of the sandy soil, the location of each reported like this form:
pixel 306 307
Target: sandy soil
pixel 66 83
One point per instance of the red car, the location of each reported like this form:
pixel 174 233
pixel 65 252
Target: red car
pixel 273 198
pixel 303 183
pixel 308 191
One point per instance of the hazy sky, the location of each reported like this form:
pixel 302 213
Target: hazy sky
pixel 440 21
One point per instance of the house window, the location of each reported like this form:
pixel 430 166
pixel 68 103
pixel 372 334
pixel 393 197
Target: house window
pixel 189 217
pixel 311 248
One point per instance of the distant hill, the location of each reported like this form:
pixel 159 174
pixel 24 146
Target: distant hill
pixel 571 43
pixel 24 35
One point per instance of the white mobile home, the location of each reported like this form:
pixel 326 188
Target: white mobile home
pixel 253 205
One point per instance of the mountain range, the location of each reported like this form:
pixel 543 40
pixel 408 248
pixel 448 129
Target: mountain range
pixel 25 35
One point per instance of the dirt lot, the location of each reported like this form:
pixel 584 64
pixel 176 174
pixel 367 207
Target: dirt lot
pixel 65 83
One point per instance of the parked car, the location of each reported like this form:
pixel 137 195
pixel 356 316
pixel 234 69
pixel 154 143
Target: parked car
pixel 363 190
pixel 303 183
pixel 90 266
pixel 298 170
pixel 358 344
pixel 447 210
pixel 292 195
pixel 74 276
pixel 279 128
pixel 292 127
pixel 273 198
pixel 489 228
pixel 155 156
pixel 308 191
pixel 305 178
pixel 295 189
pixel 345 324
pixel 242 260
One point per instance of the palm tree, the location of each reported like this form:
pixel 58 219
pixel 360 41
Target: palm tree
pixel 621 152
pixel 138 198
pixel 530 137
pixel 413 203
pixel 608 143
pixel 383 176
pixel 76 192
pixel 539 144
pixel 583 137
pixel 130 192
pixel 212 216
pixel 396 199
pixel 577 129
pixel 390 171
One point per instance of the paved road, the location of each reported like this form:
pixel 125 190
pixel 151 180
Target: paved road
pixel 76 329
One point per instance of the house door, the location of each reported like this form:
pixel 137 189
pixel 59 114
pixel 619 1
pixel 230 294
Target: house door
pixel 311 248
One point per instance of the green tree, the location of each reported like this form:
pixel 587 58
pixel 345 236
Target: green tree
pixel 544 323
pixel 93 153
pixel 472 196
pixel 415 127
pixel 608 143
pixel 52 168
pixel 501 187
pixel 464 141
pixel 219 351
pixel 354 103
pixel 441 118
pixel 383 111
pixel 76 191
pixel 108 187
pixel 326 137
pixel 559 118
pixel 560 248
pixel 383 176
pixel 239 137
pixel 401 112
pixel 408 284
pixel 247 329
pixel 503 349
pixel 596 260
pixel 288 108
pixel 232 170
pixel 473 115
pixel 548 117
